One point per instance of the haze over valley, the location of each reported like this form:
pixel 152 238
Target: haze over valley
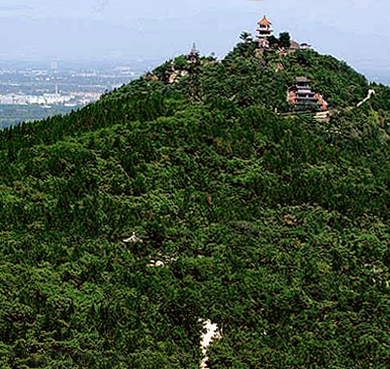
pixel 36 90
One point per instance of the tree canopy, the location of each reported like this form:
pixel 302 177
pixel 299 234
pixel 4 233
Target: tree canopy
pixel 272 225
pixel 284 40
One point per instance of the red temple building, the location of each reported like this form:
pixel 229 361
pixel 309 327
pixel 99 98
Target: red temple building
pixel 301 95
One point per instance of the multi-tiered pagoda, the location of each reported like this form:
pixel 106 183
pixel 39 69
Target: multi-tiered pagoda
pixel 264 30
pixel 301 95
pixel 193 55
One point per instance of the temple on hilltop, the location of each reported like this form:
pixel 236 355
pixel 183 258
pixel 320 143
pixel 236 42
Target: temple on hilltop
pixel 264 30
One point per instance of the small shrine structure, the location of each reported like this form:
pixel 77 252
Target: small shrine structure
pixel 193 55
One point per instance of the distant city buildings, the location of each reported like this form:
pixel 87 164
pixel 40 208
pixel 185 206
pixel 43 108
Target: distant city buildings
pixel 37 90
pixel 54 86
pixel 69 99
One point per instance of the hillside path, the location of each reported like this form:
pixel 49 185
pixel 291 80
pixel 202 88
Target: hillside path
pixel 370 93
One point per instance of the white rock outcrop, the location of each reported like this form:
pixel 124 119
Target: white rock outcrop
pixel 206 339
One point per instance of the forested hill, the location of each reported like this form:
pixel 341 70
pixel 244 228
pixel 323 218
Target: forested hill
pixel 272 225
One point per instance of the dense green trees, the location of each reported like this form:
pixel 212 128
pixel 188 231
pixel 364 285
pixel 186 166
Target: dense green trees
pixel 273 226
pixel 273 41
pixel 285 40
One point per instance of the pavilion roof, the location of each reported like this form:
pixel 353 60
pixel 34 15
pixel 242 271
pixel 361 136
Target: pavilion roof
pixel 265 22
pixel 133 238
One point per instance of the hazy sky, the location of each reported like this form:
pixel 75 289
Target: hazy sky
pixel 357 31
